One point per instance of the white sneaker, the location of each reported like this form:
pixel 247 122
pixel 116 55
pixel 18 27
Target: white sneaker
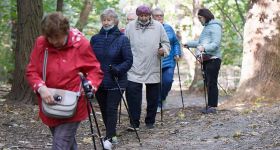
pixel 107 145
pixel 114 140
pixel 158 110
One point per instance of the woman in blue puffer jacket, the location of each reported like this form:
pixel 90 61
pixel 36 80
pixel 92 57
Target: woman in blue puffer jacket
pixel 112 49
pixel 208 44
pixel 169 62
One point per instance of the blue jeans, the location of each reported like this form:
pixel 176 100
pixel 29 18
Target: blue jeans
pixel 64 136
pixel 134 101
pixel 167 80
pixel 108 101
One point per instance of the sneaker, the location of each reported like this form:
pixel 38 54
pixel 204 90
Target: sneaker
pixel 158 110
pixel 150 126
pixel 209 110
pixel 131 129
pixel 107 144
pixel 114 140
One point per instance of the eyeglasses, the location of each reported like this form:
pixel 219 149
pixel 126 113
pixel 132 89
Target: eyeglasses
pixel 158 15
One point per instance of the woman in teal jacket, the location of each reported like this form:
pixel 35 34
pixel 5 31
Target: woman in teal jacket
pixel 208 44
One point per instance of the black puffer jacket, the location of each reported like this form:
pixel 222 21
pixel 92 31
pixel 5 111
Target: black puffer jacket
pixel 112 48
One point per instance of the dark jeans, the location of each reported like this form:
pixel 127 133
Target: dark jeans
pixel 134 101
pixel 211 68
pixel 108 101
pixel 64 136
pixel 167 80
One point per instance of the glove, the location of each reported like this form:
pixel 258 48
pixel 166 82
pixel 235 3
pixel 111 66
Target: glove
pixel 114 71
pixel 46 95
pixel 186 46
pixel 177 58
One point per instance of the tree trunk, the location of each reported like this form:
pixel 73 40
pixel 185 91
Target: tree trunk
pixel 59 5
pixel 260 73
pixel 197 83
pixel 84 14
pixel 30 13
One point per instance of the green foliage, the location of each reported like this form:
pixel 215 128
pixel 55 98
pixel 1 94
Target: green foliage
pixel 178 14
pixel 227 12
pixel 72 9
pixel 7 19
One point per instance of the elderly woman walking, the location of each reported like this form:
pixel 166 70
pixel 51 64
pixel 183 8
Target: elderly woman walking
pixel 69 53
pixel 208 45
pixel 113 51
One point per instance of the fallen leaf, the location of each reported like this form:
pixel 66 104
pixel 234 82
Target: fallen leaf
pixel 237 135
pixel 87 140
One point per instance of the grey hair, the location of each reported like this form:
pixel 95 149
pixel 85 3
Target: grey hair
pixel 156 10
pixel 132 13
pixel 109 12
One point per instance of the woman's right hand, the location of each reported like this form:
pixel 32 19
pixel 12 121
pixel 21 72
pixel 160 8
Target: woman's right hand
pixel 46 95
pixel 186 46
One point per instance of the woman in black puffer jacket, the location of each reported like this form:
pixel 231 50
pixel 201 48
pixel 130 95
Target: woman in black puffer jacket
pixel 111 48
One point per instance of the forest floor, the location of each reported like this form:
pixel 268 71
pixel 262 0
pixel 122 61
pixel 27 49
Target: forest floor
pixel 237 125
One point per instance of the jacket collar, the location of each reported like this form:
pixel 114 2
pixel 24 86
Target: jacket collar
pixel 115 31
pixel 74 37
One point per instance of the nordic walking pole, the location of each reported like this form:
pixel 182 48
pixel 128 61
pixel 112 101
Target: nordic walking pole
pixel 204 81
pixel 89 96
pixel 160 89
pixel 200 63
pixel 129 114
pixel 180 84
pixel 120 110
pixel 91 126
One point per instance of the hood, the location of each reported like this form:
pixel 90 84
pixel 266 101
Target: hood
pixel 73 39
pixel 214 21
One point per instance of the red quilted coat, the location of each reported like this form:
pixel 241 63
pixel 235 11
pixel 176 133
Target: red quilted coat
pixel 63 66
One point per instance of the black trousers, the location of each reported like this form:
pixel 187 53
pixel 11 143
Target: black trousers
pixel 211 69
pixel 134 101
pixel 108 101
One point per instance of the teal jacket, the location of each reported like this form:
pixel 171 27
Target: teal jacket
pixel 210 38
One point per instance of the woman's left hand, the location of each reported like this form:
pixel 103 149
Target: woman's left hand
pixel 201 48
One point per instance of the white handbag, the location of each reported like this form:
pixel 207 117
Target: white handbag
pixel 66 106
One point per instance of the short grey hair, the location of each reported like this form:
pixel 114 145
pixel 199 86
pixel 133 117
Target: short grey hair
pixel 156 10
pixel 109 12
pixel 132 13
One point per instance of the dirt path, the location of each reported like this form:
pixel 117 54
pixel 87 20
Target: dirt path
pixel 254 127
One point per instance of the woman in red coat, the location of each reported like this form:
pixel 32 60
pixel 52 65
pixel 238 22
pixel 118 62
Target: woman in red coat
pixel 69 53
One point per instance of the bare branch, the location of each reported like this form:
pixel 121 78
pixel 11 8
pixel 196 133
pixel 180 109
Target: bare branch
pixel 234 26
pixel 84 14
pixel 240 12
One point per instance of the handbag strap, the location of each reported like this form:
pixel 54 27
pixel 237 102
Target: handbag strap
pixel 45 64
pixel 45 69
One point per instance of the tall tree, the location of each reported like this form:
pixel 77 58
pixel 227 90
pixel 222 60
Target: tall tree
pixel 30 13
pixel 59 5
pixel 260 74
pixel 197 83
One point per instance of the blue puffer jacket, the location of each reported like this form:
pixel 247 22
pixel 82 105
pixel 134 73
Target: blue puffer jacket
pixel 169 61
pixel 210 38
pixel 112 48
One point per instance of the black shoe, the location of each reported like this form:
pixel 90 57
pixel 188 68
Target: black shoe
pixel 209 110
pixel 150 126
